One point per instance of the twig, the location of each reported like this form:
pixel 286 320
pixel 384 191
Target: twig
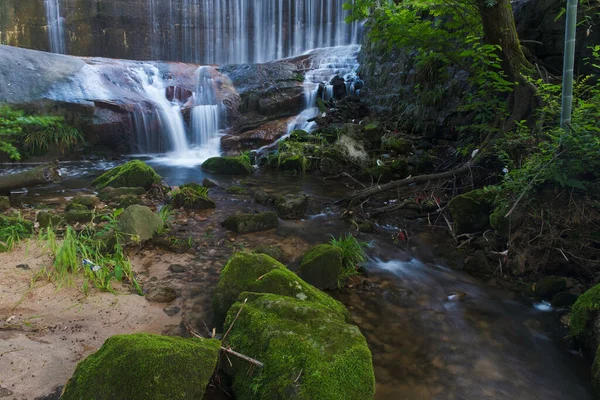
pixel 298 376
pixel 243 357
pixel 447 222
pixel 235 319
pixel 347 175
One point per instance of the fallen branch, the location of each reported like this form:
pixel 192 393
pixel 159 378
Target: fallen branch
pixel 406 205
pixel 235 319
pixel 47 173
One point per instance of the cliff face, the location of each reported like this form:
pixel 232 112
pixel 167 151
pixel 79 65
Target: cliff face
pixel 197 31
pixel 390 76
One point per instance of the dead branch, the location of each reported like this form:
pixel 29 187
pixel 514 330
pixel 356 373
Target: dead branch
pixel 243 357
pixel 235 319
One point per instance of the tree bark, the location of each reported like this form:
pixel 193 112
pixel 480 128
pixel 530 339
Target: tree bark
pixel 36 176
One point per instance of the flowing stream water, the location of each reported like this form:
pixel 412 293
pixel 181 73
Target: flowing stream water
pixel 56 31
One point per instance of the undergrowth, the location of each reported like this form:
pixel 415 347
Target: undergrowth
pixel 353 255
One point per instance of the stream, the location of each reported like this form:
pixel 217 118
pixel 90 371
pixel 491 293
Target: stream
pixel 428 339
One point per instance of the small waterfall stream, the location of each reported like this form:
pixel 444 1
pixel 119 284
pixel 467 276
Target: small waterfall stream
pixel 56 31
pixel 205 114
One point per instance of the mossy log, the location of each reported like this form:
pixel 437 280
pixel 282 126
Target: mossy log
pixel 47 173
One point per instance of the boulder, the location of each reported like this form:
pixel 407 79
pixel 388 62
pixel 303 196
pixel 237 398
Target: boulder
pixel 47 219
pixel 274 252
pixel 479 264
pixel 115 194
pixel 547 287
pixel 297 163
pixel 585 319
pixel 247 222
pixel 396 143
pixel 503 225
pixel 563 299
pixel 161 294
pixel 321 266
pixel 129 200
pixel 73 217
pixel 291 206
pixel 228 165
pixel 236 190
pixel 470 211
pixel 139 222
pixel 262 197
pixel 262 274
pixel 90 202
pixel 308 349
pixel 192 196
pixel 76 207
pixel 134 173
pixel 145 367
pixel 210 183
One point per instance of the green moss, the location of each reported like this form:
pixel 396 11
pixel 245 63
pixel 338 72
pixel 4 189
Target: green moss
pixel 272 251
pixel 291 206
pixel 242 273
pixel 79 216
pixel 548 286
pixel 115 194
pixel 129 200
pixel 192 197
pixel 76 207
pixel 583 311
pixel 228 165
pixel 309 351
pixel 236 190
pixel 134 173
pixel 145 367
pixel 299 135
pixel 89 202
pixel 48 219
pixel 471 211
pixel 296 163
pixel 321 266
pixel 248 222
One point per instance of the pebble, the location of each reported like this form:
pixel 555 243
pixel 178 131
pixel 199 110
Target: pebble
pixel 171 310
pixel 177 268
pixel 24 267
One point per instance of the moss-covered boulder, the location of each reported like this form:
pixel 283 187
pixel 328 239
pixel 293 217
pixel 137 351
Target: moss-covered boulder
pixel 134 173
pixel 82 216
pixel 503 225
pixel 138 223
pixel 396 143
pixel 145 367
pixel 262 274
pixel 309 351
pixel 115 194
pixel 239 165
pixel 563 299
pixel 192 196
pixel 4 203
pixel 76 206
pixel 585 319
pixel 89 202
pixel 210 183
pixel 236 190
pixel 47 219
pixel 292 206
pixel 547 287
pixel 321 266
pixel 262 197
pixel 129 200
pixel 274 252
pixel 471 211
pixel 296 163
pixel 248 222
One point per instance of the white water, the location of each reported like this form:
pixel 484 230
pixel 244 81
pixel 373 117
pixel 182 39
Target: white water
pixel 245 31
pixel 56 31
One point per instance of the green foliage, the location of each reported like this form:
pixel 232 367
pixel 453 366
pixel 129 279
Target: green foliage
pixel 12 231
pixel 166 215
pixel 86 254
pixel 353 254
pixel 583 311
pixel 34 133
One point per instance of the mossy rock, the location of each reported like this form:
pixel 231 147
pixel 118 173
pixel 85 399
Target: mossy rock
pixel 236 190
pixel 563 299
pixel 145 367
pixel 373 132
pixel 210 183
pixel 274 252
pixel 48 219
pixel 262 197
pixel 309 351
pixel 503 225
pixel 471 211
pixel 228 165
pixel 300 135
pixel 4 203
pixel 193 197
pixel 297 163
pixel 292 206
pixel 76 207
pixel 396 143
pixel 73 217
pixel 262 274
pixel 90 202
pixel 585 324
pixel 596 371
pixel 138 223
pixel 134 173
pixel 129 200
pixel 548 287
pixel 115 194
pixel 248 222
pixel 321 266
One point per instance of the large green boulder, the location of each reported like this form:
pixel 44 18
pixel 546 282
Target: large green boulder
pixel 292 206
pixel 505 225
pixel 296 163
pixel 228 165
pixel 89 202
pixel 192 197
pixel 145 367
pixel 262 274
pixel 134 173
pixel 248 222
pixel 47 219
pixel 308 350
pixel 585 319
pixel 471 211
pixel 321 266
pixel 81 216
pixel 139 223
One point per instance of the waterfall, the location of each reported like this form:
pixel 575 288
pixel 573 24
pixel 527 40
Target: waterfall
pixel 169 114
pixel 205 114
pixel 56 31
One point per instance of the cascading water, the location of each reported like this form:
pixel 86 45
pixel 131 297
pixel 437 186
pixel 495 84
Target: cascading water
pixel 169 114
pixel 56 31
pixel 205 115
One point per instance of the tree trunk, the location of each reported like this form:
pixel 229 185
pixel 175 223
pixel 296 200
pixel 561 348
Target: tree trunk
pixel 36 176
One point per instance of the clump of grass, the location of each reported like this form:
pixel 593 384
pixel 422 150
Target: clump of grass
pixel 12 231
pixel 166 215
pixel 353 255
pixel 87 254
